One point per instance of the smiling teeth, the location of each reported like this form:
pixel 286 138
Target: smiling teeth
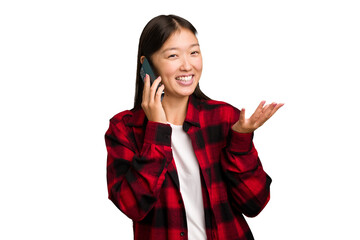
pixel 188 78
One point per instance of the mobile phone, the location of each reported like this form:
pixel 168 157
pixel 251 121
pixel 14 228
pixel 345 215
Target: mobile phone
pixel 146 69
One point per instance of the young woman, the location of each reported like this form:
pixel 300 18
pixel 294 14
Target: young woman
pixel 182 166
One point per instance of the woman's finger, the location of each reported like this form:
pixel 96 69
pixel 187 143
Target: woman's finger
pixel 259 109
pixel 154 88
pixel 268 111
pixel 279 105
pixel 242 115
pixel 256 115
pixel 159 93
pixel 146 90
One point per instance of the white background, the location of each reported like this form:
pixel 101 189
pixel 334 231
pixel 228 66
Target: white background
pixel 66 67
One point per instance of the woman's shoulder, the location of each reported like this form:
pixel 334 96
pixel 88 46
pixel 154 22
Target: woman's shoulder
pixel 129 117
pixel 122 114
pixel 220 110
pixel 216 104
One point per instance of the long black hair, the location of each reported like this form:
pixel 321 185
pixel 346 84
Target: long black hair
pixel 154 35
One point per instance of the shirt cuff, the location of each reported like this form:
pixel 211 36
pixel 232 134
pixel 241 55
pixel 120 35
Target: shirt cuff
pixel 158 133
pixel 240 142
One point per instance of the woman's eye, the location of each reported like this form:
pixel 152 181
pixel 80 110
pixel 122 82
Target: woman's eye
pixel 195 53
pixel 172 56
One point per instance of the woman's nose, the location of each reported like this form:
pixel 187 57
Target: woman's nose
pixel 185 64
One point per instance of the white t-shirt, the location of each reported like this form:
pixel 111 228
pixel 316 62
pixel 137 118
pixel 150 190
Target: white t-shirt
pixel 190 185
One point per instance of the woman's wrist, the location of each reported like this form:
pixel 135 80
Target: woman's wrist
pixel 236 127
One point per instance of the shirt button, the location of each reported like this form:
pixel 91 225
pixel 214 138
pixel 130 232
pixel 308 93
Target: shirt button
pixel 182 234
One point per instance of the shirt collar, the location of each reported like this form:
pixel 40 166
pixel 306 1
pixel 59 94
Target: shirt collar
pixel 139 119
pixel 193 111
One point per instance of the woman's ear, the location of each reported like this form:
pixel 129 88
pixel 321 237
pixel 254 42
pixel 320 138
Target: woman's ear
pixel 142 59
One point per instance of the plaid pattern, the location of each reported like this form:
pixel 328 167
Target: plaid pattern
pixel 144 185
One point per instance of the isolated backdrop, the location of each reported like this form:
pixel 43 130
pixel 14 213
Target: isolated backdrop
pixel 66 67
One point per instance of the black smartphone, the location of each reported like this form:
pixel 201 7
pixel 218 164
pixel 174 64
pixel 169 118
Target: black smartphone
pixel 146 69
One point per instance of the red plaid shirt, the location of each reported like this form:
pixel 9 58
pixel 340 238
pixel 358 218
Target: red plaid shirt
pixel 144 185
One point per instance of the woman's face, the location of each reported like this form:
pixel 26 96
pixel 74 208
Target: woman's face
pixel 179 63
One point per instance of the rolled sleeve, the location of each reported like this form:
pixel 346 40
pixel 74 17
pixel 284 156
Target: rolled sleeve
pixel 240 143
pixel 158 133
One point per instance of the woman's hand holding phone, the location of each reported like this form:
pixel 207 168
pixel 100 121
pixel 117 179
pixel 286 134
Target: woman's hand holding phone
pixel 151 100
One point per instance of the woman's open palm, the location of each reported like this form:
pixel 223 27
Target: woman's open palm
pixel 258 118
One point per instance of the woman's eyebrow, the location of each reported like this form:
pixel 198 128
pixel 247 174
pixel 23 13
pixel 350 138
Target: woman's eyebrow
pixel 175 48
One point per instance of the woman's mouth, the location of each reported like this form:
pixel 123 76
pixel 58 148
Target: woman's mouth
pixel 185 80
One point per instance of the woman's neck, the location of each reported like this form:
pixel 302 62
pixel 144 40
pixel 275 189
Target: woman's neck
pixel 175 109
